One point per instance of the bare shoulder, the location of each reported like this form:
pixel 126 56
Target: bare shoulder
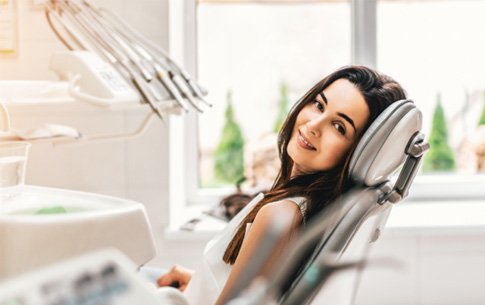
pixel 281 205
pixel 279 209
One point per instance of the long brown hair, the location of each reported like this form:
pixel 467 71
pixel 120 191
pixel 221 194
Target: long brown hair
pixel 320 188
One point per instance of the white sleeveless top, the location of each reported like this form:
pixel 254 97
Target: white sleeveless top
pixel 212 272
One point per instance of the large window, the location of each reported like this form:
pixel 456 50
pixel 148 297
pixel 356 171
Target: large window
pixel 262 56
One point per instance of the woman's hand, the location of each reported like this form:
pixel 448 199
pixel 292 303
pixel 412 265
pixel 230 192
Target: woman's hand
pixel 178 277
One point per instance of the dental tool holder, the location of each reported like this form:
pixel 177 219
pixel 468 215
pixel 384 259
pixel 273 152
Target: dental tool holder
pixel 145 67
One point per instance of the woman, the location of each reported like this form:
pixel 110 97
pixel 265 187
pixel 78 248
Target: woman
pixel 315 145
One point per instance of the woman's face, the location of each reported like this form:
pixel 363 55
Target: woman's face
pixel 326 128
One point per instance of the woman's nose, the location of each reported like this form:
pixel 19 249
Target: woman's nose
pixel 314 126
pixel 313 132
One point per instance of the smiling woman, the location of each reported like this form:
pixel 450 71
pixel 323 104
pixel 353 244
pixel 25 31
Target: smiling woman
pixel 315 143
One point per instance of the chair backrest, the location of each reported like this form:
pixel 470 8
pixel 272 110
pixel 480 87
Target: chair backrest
pixel 344 230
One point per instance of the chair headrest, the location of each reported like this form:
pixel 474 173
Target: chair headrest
pixel 381 150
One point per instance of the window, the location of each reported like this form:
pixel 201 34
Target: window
pixel 253 48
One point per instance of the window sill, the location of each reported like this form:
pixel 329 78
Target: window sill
pixel 205 229
pixel 438 187
pixel 438 217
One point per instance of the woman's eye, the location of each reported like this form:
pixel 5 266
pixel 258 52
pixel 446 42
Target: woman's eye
pixel 339 128
pixel 319 105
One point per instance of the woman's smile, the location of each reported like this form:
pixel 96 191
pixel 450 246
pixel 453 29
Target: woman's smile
pixel 303 142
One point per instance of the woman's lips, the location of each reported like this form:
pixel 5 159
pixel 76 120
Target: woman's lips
pixel 303 142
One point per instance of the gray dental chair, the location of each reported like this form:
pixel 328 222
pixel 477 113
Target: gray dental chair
pixel 330 253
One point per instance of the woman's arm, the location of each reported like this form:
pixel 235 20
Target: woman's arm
pixel 285 211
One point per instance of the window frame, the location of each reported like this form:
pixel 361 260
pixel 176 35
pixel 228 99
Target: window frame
pixel 184 190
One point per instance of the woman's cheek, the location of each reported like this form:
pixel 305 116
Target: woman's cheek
pixel 343 149
pixel 334 152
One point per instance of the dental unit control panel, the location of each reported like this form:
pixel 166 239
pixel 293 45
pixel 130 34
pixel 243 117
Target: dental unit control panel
pixel 91 79
pixel 104 277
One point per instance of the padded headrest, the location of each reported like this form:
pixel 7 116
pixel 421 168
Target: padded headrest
pixel 381 150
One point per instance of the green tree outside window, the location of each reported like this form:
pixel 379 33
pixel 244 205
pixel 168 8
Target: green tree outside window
pixel 228 157
pixel 440 156
pixel 282 108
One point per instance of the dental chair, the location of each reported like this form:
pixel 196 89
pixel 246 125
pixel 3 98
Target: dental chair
pixel 330 253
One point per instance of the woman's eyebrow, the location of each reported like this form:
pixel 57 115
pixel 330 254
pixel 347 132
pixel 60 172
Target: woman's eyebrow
pixel 322 95
pixel 345 117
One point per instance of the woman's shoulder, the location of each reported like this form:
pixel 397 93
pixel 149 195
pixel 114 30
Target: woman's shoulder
pixel 295 205
pixel 274 210
pixel 286 203
pixel 283 216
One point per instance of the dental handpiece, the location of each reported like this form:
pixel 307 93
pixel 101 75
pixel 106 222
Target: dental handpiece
pixel 138 82
pixel 180 83
pixel 170 86
pixel 192 85
pixel 162 76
